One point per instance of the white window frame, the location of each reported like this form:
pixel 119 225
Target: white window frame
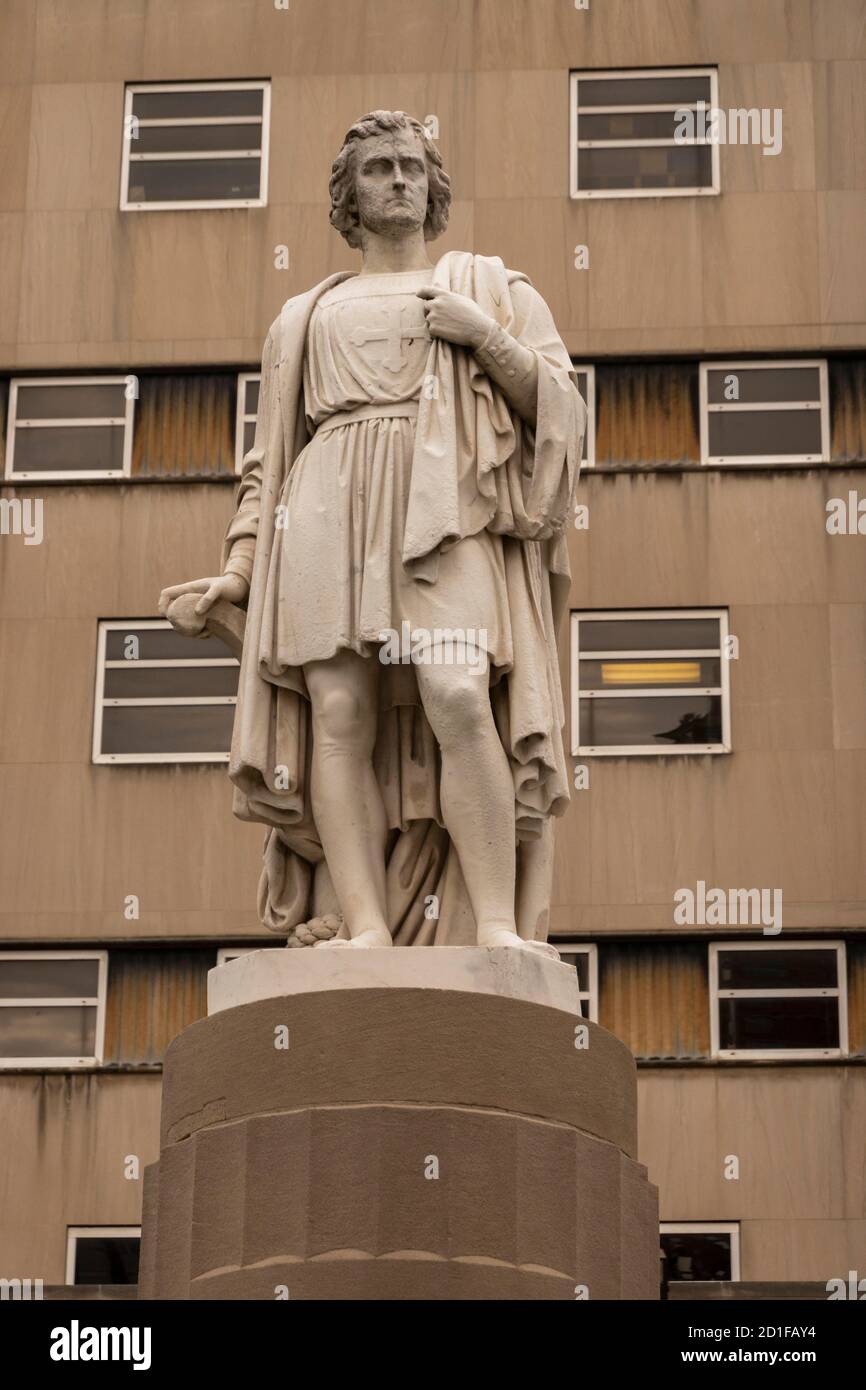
pixel 65 475
pixel 587 996
pixel 589 369
pixel 67 1001
pixel 778 1054
pixel 195 205
pixel 720 460
pixel 707 1228
pixel 600 74
pixel 242 417
pixel 101 703
pixel 76 1233
pixel 651 749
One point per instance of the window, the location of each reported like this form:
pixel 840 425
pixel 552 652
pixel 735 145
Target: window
pixel 227 953
pixel 647 682
pixel 770 1001
pixel 699 1250
pixel 195 145
pixel 52 1008
pixel 764 412
pixel 585 961
pixel 63 428
pixel 586 387
pixel 623 133
pixel 102 1254
pixel 247 409
pixel 162 697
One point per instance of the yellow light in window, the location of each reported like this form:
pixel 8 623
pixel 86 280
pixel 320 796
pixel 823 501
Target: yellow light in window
pixel 650 672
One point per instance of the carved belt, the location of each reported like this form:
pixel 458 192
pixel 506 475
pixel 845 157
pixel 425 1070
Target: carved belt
pixel 400 410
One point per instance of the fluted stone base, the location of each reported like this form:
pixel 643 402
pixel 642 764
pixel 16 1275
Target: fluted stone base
pixel 408 1143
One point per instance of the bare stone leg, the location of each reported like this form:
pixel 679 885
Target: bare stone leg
pixel 347 804
pixel 535 884
pixel 477 797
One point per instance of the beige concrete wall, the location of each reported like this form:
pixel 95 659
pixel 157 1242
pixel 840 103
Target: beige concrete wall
pixel 66 1145
pixel 774 263
pixel 799 1134
pixel 79 838
pixel 787 809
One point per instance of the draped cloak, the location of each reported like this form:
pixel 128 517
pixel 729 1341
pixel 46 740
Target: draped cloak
pixel 475 464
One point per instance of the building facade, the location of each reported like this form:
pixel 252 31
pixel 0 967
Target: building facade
pixel 686 185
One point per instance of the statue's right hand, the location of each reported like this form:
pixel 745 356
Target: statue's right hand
pixel 228 586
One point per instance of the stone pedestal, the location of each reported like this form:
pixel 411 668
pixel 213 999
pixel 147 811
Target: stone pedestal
pixel 419 1123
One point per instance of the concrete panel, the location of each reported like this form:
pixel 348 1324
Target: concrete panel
pixel 840 107
pixel 522 134
pixel 190 286
pixel 17 40
pixel 767 543
pixel 849 848
pixel 65 1168
pixel 838 29
pixel 93 41
pixel 760 258
pixel 76 146
pixel 818 1250
pixel 848 673
pixel 428 36
pixel 628 290
pixel 788 87
pixel 83 838
pixel 15 104
pixel 243 38
pixel 841 234
pixel 63 252
pixel 782 693
pixel 786 840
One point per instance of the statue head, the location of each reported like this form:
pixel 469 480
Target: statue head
pixel 388 178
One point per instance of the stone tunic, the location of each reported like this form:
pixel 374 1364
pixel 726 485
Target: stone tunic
pixel 336 563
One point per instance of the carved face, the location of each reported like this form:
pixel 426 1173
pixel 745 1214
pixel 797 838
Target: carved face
pixel 391 183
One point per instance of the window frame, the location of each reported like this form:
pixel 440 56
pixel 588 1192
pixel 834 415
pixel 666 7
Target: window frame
pixel 242 416
pixel 106 625
pixel 204 204
pixel 65 475
pixel 709 460
pixel 707 1228
pixel 589 369
pixel 577 75
pixel 590 949
pixel 649 750
pixel 778 1054
pixel 226 954
pixel 76 1233
pixel 100 1002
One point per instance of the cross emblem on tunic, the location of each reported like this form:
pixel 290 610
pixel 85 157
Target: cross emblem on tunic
pixel 393 335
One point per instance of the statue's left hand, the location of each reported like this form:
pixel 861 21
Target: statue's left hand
pixel 455 317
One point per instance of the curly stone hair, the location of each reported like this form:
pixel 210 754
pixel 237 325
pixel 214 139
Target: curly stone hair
pixel 342 185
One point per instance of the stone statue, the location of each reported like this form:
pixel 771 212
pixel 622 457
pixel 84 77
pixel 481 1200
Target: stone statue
pixel 399 548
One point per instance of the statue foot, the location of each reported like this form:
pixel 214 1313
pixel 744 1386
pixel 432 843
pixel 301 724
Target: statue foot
pixel 371 939
pixel 501 936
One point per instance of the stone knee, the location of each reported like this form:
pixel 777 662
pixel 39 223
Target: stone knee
pixel 343 719
pixel 457 704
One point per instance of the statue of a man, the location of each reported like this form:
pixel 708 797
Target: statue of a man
pixel 399 546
